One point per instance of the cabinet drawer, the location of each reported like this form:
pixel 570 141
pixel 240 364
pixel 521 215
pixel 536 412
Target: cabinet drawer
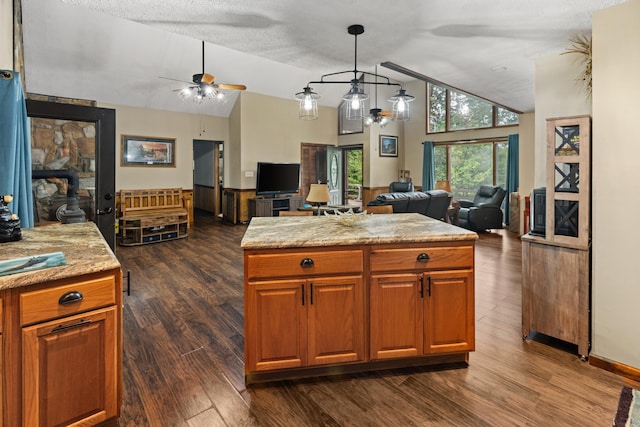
pixel 291 264
pixel 408 259
pixel 45 304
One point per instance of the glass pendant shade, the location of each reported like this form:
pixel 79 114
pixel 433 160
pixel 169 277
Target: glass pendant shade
pixel 308 104
pixel 400 110
pixel 355 101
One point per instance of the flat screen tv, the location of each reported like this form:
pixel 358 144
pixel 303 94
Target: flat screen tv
pixel 277 178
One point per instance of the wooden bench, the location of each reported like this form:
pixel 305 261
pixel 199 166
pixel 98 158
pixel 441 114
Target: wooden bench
pixel 153 215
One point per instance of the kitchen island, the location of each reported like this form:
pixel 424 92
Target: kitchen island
pixel 61 329
pixel 326 298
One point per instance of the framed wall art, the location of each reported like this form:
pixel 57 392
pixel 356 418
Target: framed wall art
pixel 388 146
pixel 147 151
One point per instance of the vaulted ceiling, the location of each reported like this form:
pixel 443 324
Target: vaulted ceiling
pixel 115 51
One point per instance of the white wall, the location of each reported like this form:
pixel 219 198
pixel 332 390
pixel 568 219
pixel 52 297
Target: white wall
pixel 183 127
pixel 616 180
pixel 558 93
pixel 6 34
pixel 271 131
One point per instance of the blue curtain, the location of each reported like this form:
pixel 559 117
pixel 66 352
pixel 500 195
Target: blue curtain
pixel 428 166
pixel 512 172
pixel 15 148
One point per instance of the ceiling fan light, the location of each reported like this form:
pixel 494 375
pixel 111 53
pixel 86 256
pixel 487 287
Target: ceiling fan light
pixel 185 94
pixel 308 109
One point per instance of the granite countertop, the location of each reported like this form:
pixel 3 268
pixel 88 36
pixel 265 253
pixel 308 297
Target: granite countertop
pixel 308 231
pixel 82 245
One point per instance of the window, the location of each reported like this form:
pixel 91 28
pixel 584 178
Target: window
pixel 451 110
pixel 468 165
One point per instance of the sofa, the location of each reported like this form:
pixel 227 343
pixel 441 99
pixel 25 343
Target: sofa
pixel 433 203
pixel 484 212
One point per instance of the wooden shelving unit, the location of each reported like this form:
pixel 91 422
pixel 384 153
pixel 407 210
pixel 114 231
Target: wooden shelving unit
pixel 142 231
pixel 267 206
pixel 556 267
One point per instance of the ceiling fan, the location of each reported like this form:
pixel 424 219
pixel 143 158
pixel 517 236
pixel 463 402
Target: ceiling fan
pixel 377 115
pixel 203 86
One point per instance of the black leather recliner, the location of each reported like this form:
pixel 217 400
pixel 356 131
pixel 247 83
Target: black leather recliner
pixel 438 204
pixel 484 212
pixel 401 187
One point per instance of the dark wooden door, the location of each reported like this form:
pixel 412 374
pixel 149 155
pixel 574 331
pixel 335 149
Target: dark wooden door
pixel 102 190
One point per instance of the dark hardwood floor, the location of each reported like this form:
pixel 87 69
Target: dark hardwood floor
pixel 183 354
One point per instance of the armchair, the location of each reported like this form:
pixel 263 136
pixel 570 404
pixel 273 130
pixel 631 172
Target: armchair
pixel 484 211
pixel 401 187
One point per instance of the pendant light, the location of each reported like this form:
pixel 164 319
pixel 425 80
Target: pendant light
pixel 355 98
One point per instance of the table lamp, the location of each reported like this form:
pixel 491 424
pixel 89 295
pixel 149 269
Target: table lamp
pixel 318 193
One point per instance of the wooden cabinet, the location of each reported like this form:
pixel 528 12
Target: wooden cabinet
pixel 63 354
pixel 1 365
pixel 316 318
pixel 265 206
pixel 428 311
pixel 153 229
pixel 356 308
pixel 70 370
pixel 555 267
pixel 449 312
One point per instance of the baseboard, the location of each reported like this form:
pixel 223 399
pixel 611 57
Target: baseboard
pixel 628 372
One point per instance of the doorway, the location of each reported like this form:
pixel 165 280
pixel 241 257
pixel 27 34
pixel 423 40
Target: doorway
pixel 208 175
pixel 77 143
pixel 352 176
pixel 339 167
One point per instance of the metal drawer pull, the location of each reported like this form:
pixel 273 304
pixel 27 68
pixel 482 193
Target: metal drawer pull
pixel 306 262
pixel 73 325
pixel 70 297
pixel 423 257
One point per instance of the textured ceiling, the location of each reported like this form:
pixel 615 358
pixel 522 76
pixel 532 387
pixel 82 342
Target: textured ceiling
pixel 114 51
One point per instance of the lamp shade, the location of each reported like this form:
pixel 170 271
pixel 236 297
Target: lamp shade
pixel 400 110
pixel 443 185
pixel 355 101
pixel 319 193
pixel 308 104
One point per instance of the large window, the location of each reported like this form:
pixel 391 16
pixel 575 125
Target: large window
pixel 470 164
pixel 451 110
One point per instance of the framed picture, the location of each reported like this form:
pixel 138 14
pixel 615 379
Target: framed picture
pixel 388 146
pixel 147 151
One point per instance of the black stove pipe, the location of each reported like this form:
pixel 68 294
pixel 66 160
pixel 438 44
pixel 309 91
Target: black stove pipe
pixel 72 213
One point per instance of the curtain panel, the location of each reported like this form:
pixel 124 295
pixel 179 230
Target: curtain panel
pixel 15 147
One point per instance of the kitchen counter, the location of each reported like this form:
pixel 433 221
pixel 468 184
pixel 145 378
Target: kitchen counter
pixel 324 298
pixel 325 230
pixel 82 245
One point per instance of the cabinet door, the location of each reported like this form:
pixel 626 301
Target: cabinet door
pixel 396 316
pixel 69 370
pixel 264 207
pixel 275 325
pixel 335 316
pixel 449 312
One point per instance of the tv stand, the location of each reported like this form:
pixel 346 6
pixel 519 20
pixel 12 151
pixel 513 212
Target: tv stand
pixel 271 206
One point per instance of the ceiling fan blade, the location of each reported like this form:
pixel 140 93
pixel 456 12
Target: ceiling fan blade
pixel 232 87
pixel 386 113
pixel 176 80
pixel 207 78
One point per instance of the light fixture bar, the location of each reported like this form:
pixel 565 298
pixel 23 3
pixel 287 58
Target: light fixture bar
pixel 356 95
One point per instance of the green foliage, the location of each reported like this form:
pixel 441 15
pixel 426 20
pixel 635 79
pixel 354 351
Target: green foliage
pixel 471 165
pixel 468 112
pixel 354 166
pixel 437 108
